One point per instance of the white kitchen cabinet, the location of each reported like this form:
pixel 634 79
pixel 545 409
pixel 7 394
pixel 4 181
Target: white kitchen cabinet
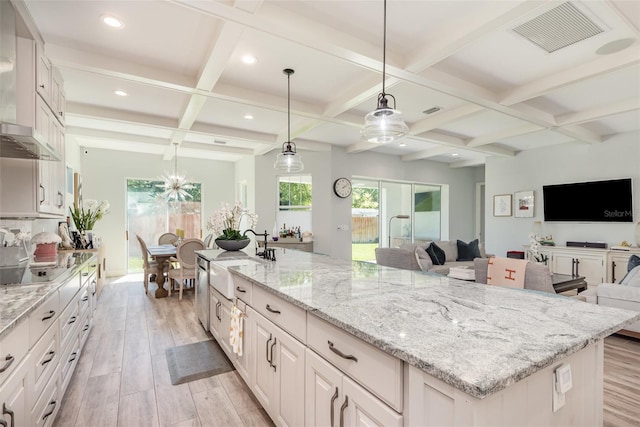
pixel 243 362
pixel 334 399
pixel 617 262
pixel 14 394
pixel 219 320
pixel 43 74
pixel 591 265
pixel 279 361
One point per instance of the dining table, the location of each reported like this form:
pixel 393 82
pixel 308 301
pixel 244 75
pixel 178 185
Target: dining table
pixel 161 254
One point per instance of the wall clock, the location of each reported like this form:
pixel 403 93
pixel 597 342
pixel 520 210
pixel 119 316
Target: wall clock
pixel 342 187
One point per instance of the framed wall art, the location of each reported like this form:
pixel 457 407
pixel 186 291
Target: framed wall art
pixel 524 204
pixel 502 205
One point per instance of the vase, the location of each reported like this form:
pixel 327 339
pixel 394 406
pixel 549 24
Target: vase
pixel 232 245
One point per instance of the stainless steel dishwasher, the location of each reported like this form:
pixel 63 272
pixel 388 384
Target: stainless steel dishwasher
pixel 202 292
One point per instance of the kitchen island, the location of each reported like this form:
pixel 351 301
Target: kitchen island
pixel 450 352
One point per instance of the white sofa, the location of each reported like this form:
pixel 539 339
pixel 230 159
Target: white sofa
pixel 625 294
pixel 450 248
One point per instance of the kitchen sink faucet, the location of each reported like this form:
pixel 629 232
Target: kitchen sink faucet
pixel 267 253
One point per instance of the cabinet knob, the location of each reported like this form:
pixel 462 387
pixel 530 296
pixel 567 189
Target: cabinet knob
pixel 41 86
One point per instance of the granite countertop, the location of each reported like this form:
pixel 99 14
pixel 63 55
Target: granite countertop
pixel 477 338
pixel 18 301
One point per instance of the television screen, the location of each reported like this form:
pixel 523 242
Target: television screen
pixel 595 201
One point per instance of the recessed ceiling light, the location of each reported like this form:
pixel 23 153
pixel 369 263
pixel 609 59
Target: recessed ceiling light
pixel 402 144
pixel 112 21
pixel 454 154
pixel 249 59
pixel 121 93
pixel 248 117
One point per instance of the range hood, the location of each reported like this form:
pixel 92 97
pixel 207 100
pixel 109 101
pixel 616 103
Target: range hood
pixel 16 140
pixel 19 142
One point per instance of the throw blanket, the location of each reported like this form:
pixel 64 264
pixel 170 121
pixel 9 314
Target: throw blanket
pixel 236 330
pixel 506 272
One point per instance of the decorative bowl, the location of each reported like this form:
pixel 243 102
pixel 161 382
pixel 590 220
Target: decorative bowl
pixel 232 245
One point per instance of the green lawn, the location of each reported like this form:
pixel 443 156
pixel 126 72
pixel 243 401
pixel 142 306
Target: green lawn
pixel 363 251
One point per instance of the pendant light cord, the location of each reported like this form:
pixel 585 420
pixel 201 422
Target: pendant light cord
pixel 384 47
pixel 289 107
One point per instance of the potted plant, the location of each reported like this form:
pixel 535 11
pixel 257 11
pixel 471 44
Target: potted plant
pixel 86 217
pixel 225 224
pixel 534 250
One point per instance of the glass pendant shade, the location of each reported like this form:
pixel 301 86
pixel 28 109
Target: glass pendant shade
pixel 384 124
pixel 288 160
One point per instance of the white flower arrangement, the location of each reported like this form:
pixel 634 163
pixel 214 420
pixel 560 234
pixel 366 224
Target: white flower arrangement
pixel 91 211
pixel 44 238
pixel 534 249
pixel 225 222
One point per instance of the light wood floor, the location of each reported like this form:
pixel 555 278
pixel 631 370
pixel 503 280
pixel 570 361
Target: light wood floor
pixel 122 377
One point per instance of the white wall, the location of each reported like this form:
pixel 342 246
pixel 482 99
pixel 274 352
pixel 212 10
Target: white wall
pixel 104 175
pixel 330 211
pixel 618 157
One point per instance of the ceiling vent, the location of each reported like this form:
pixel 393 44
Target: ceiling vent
pixel 560 27
pixel 432 110
pixel 218 141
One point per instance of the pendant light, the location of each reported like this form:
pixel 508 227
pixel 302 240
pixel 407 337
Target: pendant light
pixel 384 124
pixel 175 185
pixel 288 160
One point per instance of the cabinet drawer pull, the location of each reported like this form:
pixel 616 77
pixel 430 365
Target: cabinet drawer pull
pixel 73 356
pixel 341 354
pixel 45 416
pixel 85 299
pixel 7 411
pixel 273 365
pixel 43 195
pixel 272 310
pixel 333 399
pixel 342 408
pixel 52 354
pixel 72 320
pixel 239 289
pixel 49 316
pixel 8 361
pixel 3 423
pixel 86 327
pixel 85 274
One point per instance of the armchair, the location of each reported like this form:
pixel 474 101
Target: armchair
pixel 536 276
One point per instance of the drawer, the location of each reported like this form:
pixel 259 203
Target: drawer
pixel 84 300
pixel 69 321
pixel 89 271
pixel 374 369
pixel 13 348
pixel 85 326
pixel 68 291
pixel 45 359
pixel 243 289
pixel 46 407
pixel 284 314
pixel 43 317
pixel 68 362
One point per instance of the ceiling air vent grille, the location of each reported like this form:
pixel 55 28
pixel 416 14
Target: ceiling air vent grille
pixel 560 27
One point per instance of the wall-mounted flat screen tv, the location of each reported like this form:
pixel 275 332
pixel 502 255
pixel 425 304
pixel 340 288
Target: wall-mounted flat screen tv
pixel 594 201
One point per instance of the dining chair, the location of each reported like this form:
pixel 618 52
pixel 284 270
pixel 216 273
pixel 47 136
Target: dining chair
pixel 183 266
pixel 167 239
pixel 207 241
pixel 150 266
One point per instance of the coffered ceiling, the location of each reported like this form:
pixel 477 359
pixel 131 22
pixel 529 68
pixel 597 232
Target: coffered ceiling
pixel 496 92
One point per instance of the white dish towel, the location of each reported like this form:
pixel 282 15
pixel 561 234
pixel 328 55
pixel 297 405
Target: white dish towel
pixel 236 329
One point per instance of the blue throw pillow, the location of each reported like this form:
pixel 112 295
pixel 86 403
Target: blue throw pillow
pixel 436 254
pixel 468 251
pixel 634 261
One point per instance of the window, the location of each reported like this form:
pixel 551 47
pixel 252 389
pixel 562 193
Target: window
pixel 295 192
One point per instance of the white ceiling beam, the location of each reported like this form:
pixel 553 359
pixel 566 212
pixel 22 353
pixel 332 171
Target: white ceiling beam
pixel 503 134
pixel 141 119
pixel 580 134
pixel 467 163
pixel 604 65
pixel 597 113
pixel 426 154
pixel 107 136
